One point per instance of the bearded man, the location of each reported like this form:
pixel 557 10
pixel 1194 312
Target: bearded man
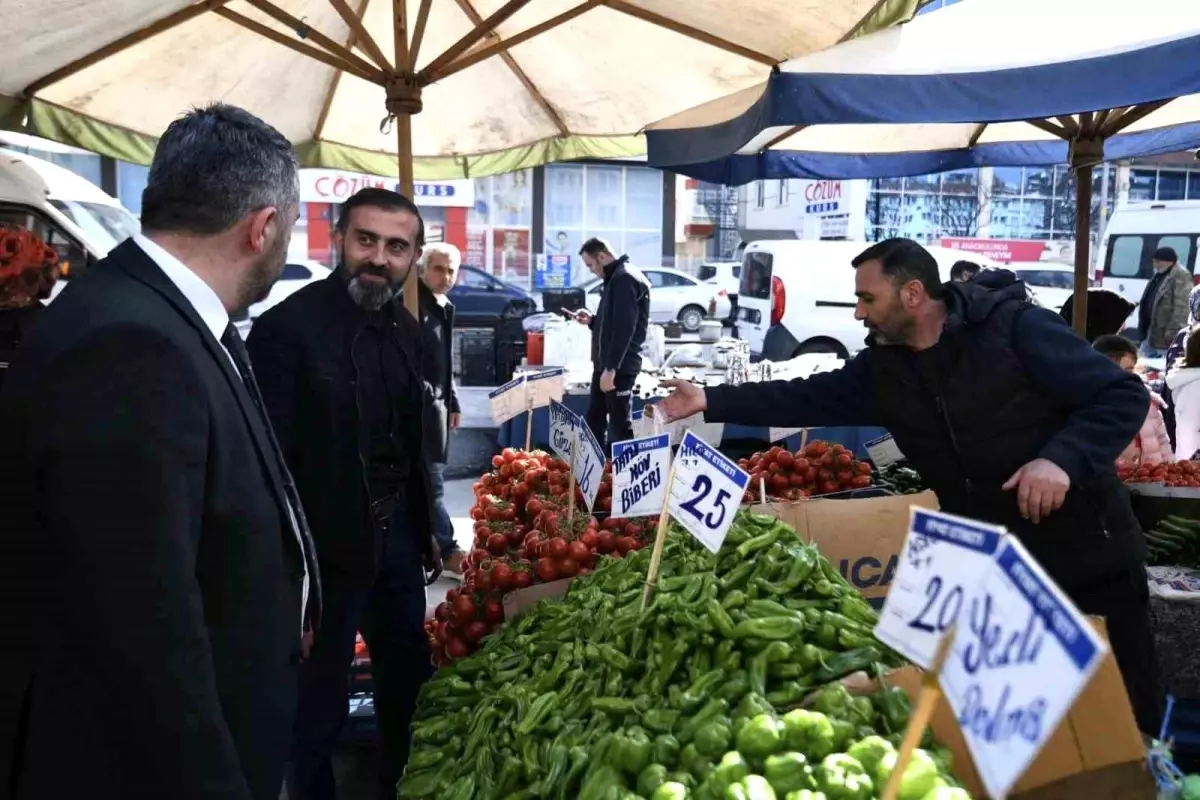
pixel 339 363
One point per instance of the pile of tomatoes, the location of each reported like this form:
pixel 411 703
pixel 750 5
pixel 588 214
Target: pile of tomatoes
pixel 817 469
pixel 525 534
pixel 1176 474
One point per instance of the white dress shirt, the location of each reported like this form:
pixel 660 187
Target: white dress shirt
pixel 214 316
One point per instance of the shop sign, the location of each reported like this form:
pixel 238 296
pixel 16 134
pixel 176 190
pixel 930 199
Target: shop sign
pixel 336 186
pixel 1004 251
pixel 552 272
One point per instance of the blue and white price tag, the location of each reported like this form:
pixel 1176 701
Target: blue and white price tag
pixel 706 491
pixel 543 388
pixel 589 464
pixel 640 475
pixel 564 426
pixel 943 557
pixel 883 451
pixel 1021 655
pixel 508 401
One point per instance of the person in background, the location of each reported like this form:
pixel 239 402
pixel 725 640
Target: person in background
pixel 153 549
pixel 340 365
pixel 1174 353
pixel 963 271
pixel 28 272
pixel 1008 415
pixel 1164 306
pixel 439 268
pixel 1184 383
pixel 1151 445
pixel 618 333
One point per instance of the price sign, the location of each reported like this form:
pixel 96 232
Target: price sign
pixel 589 463
pixel 508 401
pixel 640 475
pixel 564 424
pixel 706 491
pixel 1021 655
pixel 883 451
pixel 544 387
pixel 779 434
pixel 943 557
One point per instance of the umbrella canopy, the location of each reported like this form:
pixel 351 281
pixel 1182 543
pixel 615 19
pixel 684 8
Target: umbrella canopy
pixel 963 87
pixel 492 85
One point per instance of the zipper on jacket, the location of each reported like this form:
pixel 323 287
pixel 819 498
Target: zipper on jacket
pixel 945 414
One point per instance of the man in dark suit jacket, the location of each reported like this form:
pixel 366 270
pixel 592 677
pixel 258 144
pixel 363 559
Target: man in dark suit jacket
pixel 340 365
pixel 158 566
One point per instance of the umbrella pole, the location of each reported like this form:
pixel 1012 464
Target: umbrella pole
pixel 1085 154
pixel 404 148
pixel 404 100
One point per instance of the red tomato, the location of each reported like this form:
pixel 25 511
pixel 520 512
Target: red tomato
pixel 463 608
pixel 785 459
pixel 497 462
pixel 521 578
pixel 516 536
pixel 578 551
pixel 442 612
pixel 475 631
pixel 456 647
pixel 533 507
pixel 546 570
pixel 632 529
pixel 861 481
pixel 605 543
pixel 451 595
pixel 779 483
pixel 493 610
pixel 568 568
pixel 863 468
pixel 497 544
pixel 624 544
pixel 604 503
pixel 502 576
pixel 796 479
pixel 801 463
pixel 484 580
pixel 589 539
pixel 557 548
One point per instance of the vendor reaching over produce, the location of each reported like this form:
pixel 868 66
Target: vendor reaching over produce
pixel 1008 415
pixel 618 332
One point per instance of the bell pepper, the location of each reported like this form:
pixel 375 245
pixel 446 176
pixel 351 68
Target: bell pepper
pixel 955 793
pixel 660 720
pixel 731 770
pixel 870 751
pixel 789 772
pixel 920 776
pixel 808 732
pixel 670 790
pixel 833 701
pixel 844 732
pixel 712 739
pixel 652 777
pixel 751 787
pixel 715 707
pixel 894 708
pixel 760 737
pixel 752 705
pixel 736 687
pixel 601 784
pixel 666 749
pixel 862 712
pixel 841 777
pixel 630 751
pixel 806 794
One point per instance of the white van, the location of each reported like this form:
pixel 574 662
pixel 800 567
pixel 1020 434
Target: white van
pixel 1134 232
pixel 69 213
pixel 798 296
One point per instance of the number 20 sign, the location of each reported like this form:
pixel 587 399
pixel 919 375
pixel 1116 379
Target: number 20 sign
pixel 943 558
pixel 706 491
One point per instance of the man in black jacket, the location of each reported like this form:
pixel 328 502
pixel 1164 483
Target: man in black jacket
pixel 340 367
pixel 1007 414
pixel 153 558
pixel 618 333
pixel 439 268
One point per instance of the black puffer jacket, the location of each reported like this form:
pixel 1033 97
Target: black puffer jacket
pixel 619 327
pixel 14 324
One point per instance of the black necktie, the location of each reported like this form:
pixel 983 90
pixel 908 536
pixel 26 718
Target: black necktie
pixel 232 340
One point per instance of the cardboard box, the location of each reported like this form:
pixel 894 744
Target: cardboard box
pixel 519 601
pixel 862 537
pixel 1098 733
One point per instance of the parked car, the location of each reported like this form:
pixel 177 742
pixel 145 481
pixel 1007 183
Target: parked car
pixel 726 275
pixel 674 295
pixel 798 297
pixel 480 299
pixel 1050 284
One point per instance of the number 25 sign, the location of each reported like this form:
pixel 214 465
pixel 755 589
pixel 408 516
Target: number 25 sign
pixel 706 491
pixel 943 558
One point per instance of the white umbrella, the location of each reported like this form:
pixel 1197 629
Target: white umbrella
pixel 965 86
pixel 470 87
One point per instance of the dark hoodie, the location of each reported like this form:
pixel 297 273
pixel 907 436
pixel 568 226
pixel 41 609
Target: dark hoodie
pixel 1006 383
pixel 619 327
pixel 14 324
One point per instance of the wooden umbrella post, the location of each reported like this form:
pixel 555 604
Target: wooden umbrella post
pixel 403 101
pixel 1085 154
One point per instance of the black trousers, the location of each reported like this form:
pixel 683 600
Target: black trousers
pixel 391 617
pixel 1124 601
pixel 610 414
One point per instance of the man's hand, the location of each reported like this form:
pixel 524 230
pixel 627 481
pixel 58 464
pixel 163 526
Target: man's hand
pixel 686 400
pixel 608 380
pixel 454 562
pixel 1041 488
pixel 583 316
pixel 455 421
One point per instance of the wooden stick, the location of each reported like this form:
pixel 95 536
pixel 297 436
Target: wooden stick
pixel 660 540
pixel 571 483
pixel 931 692
pixel 528 419
pixel 803 439
pixel 762 489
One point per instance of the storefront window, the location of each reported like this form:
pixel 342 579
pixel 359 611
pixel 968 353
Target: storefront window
pixel 498 227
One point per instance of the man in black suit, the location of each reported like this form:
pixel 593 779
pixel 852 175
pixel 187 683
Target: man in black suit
pixel 152 542
pixel 340 366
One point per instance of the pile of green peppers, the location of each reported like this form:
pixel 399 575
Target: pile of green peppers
pixel 591 697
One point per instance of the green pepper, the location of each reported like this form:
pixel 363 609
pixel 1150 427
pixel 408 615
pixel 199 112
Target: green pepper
pixel 862 712
pixel 955 793
pixel 775 651
pixel 510 773
pixel 734 599
pixel 808 732
pixel 806 794
pixel 756 543
pixel 789 772
pixel 429 783
pixel 630 751
pixel 789 694
pixel 774 628
pixel 768 608
pixel 751 705
pixel 855 608
pixel 529 758
pixel 894 708
pixel 751 787
pixel 811 657
pixel 833 701
pixel 600 785
pixel 789 670
pixel 843 664
pixel 579 764
pixel 849 639
pixel 736 687
pixel 760 737
pixel 844 732
pixel 671 790
pixel 557 763
pixel 919 776
pixel 538 711
pixel 462 789
pixel 737 577
pixel 660 720
pixel 803 562
pixel 870 751
pixel 731 769
pixel 720 619
pixel 614 706
pixel 666 749
pixel 670 662
pixel 698 692
pixel 827 636
pixel 715 707
pixel 652 777
pixel 712 738
pixel 841 777
pixel 424 758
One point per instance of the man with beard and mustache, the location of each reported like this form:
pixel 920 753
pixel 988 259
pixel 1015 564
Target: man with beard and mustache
pixel 1009 416
pixel 340 366
pixel 156 560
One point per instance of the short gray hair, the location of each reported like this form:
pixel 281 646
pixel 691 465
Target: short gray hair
pixel 213 166
pixel 452 254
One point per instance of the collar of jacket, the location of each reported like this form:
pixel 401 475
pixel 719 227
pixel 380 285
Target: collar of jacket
pixel 611 267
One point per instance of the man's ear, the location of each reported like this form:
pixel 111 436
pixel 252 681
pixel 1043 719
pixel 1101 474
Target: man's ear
pixel 260 226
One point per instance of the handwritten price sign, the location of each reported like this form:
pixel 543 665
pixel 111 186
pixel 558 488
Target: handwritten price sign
pixel 589 464
pixel 943 557
pixel 706 491
pixel 508 401
pixel 563 426
pixel 640 475
pixel 1021 655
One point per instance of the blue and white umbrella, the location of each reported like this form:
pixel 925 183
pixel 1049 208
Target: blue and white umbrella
pixel 983 82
